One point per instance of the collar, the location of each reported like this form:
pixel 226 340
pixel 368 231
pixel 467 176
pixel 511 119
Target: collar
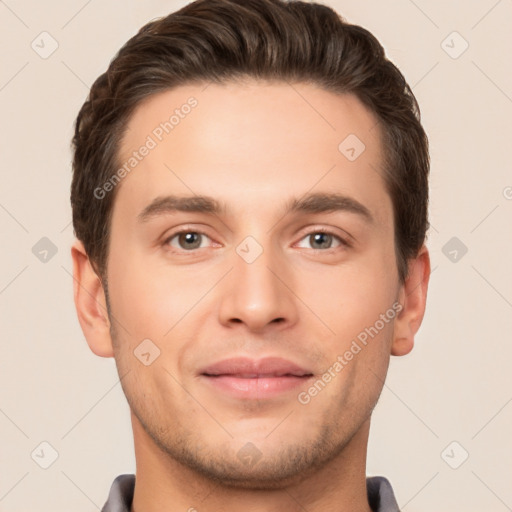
pixel 380 494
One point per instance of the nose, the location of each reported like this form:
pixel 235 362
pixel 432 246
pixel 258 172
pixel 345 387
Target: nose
pixel 258 294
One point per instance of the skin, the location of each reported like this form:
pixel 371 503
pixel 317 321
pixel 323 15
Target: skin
pixel 252 146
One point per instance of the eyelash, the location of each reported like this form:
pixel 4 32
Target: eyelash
pixel 343 242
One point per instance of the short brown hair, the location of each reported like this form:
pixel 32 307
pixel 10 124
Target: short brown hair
pixel 221 40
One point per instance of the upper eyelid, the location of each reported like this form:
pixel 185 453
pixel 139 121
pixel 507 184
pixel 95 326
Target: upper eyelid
pixel 327 232
pixel 168 238
pixel 185 230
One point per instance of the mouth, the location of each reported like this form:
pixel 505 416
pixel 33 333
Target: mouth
pixel 255 379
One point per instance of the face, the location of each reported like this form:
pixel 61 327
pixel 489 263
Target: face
pixel 268 306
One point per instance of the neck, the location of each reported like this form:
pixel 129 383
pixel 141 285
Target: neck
pixel 163 484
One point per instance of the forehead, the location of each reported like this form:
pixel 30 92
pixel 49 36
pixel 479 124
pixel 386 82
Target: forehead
pixel 249 144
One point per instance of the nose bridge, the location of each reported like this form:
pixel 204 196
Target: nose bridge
pixel 252 266
pixel 255 295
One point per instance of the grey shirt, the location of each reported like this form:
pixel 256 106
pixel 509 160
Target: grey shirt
pixel 380 494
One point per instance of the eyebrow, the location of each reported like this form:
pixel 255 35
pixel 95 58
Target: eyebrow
pixel 310 203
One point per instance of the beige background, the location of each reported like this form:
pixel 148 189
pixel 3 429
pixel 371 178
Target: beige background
pixel 454 386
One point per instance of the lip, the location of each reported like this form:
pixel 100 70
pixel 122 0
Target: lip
pixel 247 378
pixel 251 368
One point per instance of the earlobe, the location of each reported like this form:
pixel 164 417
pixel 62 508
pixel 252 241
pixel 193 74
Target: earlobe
pixel 90 303
pixel 413 297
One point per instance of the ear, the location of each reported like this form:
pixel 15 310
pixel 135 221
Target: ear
pixel 90 303
pixel 413 297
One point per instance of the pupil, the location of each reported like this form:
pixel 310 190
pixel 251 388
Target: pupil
pixel 190 240
pixel 322 239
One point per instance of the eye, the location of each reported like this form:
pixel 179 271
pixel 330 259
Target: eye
pixel 322 240
pixel 189 240
pixel 186 240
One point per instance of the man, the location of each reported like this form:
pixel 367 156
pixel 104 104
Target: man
pixel 279 144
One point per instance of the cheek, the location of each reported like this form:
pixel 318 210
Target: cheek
pixel 350 297
pixel 147 297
